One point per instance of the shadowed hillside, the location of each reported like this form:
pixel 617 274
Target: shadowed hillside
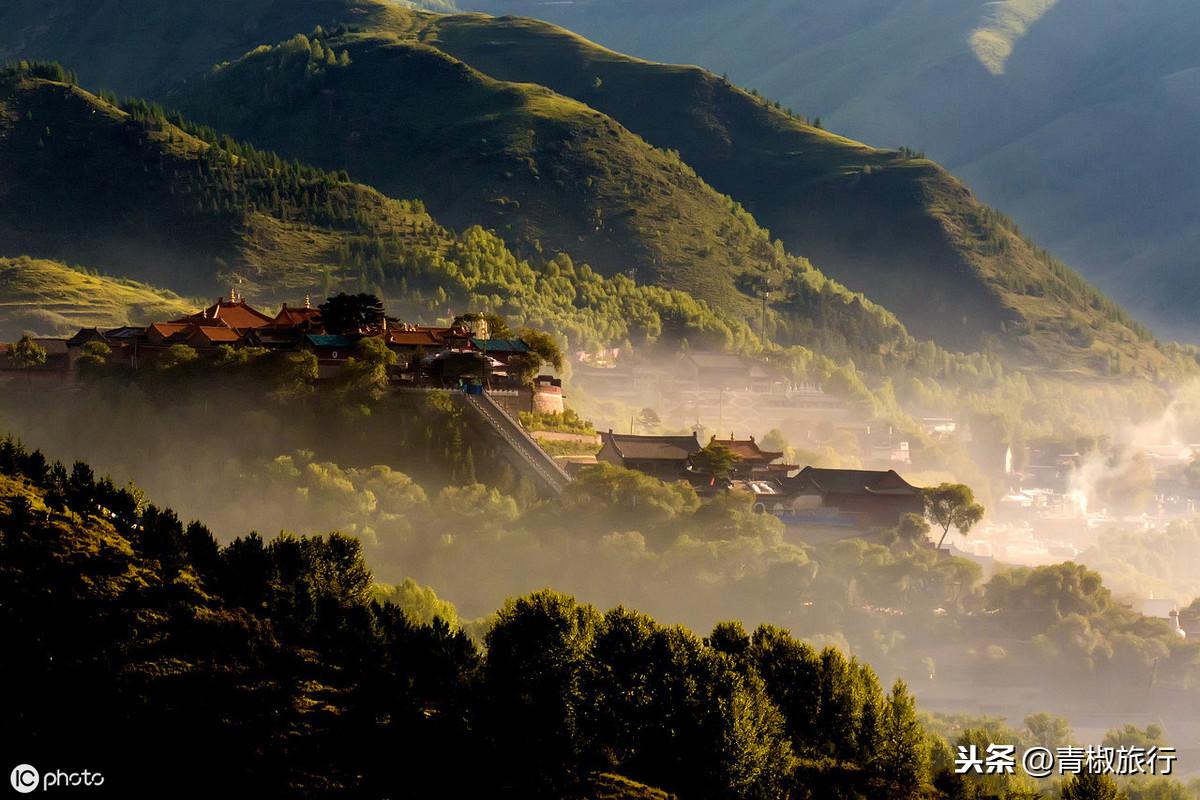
pixel 1071 115
pixel 548 173
pixel 138 46
pixel 896 226
pixel 460 122
pixel 138 196
pixel 276 661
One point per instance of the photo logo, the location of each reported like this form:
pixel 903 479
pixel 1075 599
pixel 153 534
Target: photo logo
pixel 24 778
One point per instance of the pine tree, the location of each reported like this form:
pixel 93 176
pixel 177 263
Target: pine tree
pixel 1091 786
pixel 902 757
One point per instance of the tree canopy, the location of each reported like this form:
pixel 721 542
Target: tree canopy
pixel 715 460
pixel 349 313
pixel 952 505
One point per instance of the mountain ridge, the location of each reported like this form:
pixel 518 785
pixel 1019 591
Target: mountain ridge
pixel 887 223
pixel 1073 118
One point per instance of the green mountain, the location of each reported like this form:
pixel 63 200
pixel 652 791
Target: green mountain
pixel 1073 116
pixel 560 145
pixel 137 196
pixel 889 223
pixel 137 46
pixel 48 298
pixel 137 193
pixel 548 173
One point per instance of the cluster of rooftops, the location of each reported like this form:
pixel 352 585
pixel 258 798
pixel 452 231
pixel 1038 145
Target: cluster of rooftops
pixel 876 498
pixel 231 322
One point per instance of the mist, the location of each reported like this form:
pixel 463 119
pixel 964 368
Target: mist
pixel 433 502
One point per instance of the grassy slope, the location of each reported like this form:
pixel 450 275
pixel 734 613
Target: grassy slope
pixel 50 298
pixel 1071 116
pixel 903 230
pixel 136 46
pixel 547 172
pixel 99 188
pixel 138 196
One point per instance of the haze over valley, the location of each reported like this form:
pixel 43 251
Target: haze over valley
pixel 364 365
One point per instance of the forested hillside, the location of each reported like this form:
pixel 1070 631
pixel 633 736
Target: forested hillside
pixel 548 173
pixel 129 192
pixel 1070 115
pixel 125 188
pixel 171 41
pixel 271 663
pixel 886 222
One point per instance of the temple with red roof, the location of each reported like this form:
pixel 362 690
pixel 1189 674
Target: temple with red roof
pixel 421 350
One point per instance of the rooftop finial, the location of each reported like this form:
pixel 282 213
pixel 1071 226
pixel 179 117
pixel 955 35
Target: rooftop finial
pixel 308 301
pixel 232 294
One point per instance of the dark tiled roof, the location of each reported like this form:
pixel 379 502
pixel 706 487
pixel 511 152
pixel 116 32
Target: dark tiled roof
pixel 653 448
pixel 289 317
pixel 213 335
pixel 748 450
pixel 718 360
pixel 853 481
pixel 85 335
pixel 168 330
pixel 124 332
pixel 421 337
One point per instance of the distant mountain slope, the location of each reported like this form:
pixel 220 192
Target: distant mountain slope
pixel 137 46
pixel 140 194
pixel 552 174
pixel 894 226
pixel 83 181
pixel 899 228
pixel 49 298
pixel 1074 116
pixel 547 172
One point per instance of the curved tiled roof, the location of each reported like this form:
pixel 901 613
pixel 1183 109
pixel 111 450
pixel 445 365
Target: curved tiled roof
pixel 653 448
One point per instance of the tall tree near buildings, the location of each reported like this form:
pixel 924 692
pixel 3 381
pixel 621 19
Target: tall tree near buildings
pixel 349 313
pixel 716 461
pixel 952 505
pixel 28 354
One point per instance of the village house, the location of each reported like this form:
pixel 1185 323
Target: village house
pixel 667 458
pixel 729 372
pixel 859 499
pixel 865 498
pixel 754 463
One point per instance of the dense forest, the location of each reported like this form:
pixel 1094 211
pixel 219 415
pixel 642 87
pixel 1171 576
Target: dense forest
pixel 428 498
pixel 271 661
pixel 283 669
